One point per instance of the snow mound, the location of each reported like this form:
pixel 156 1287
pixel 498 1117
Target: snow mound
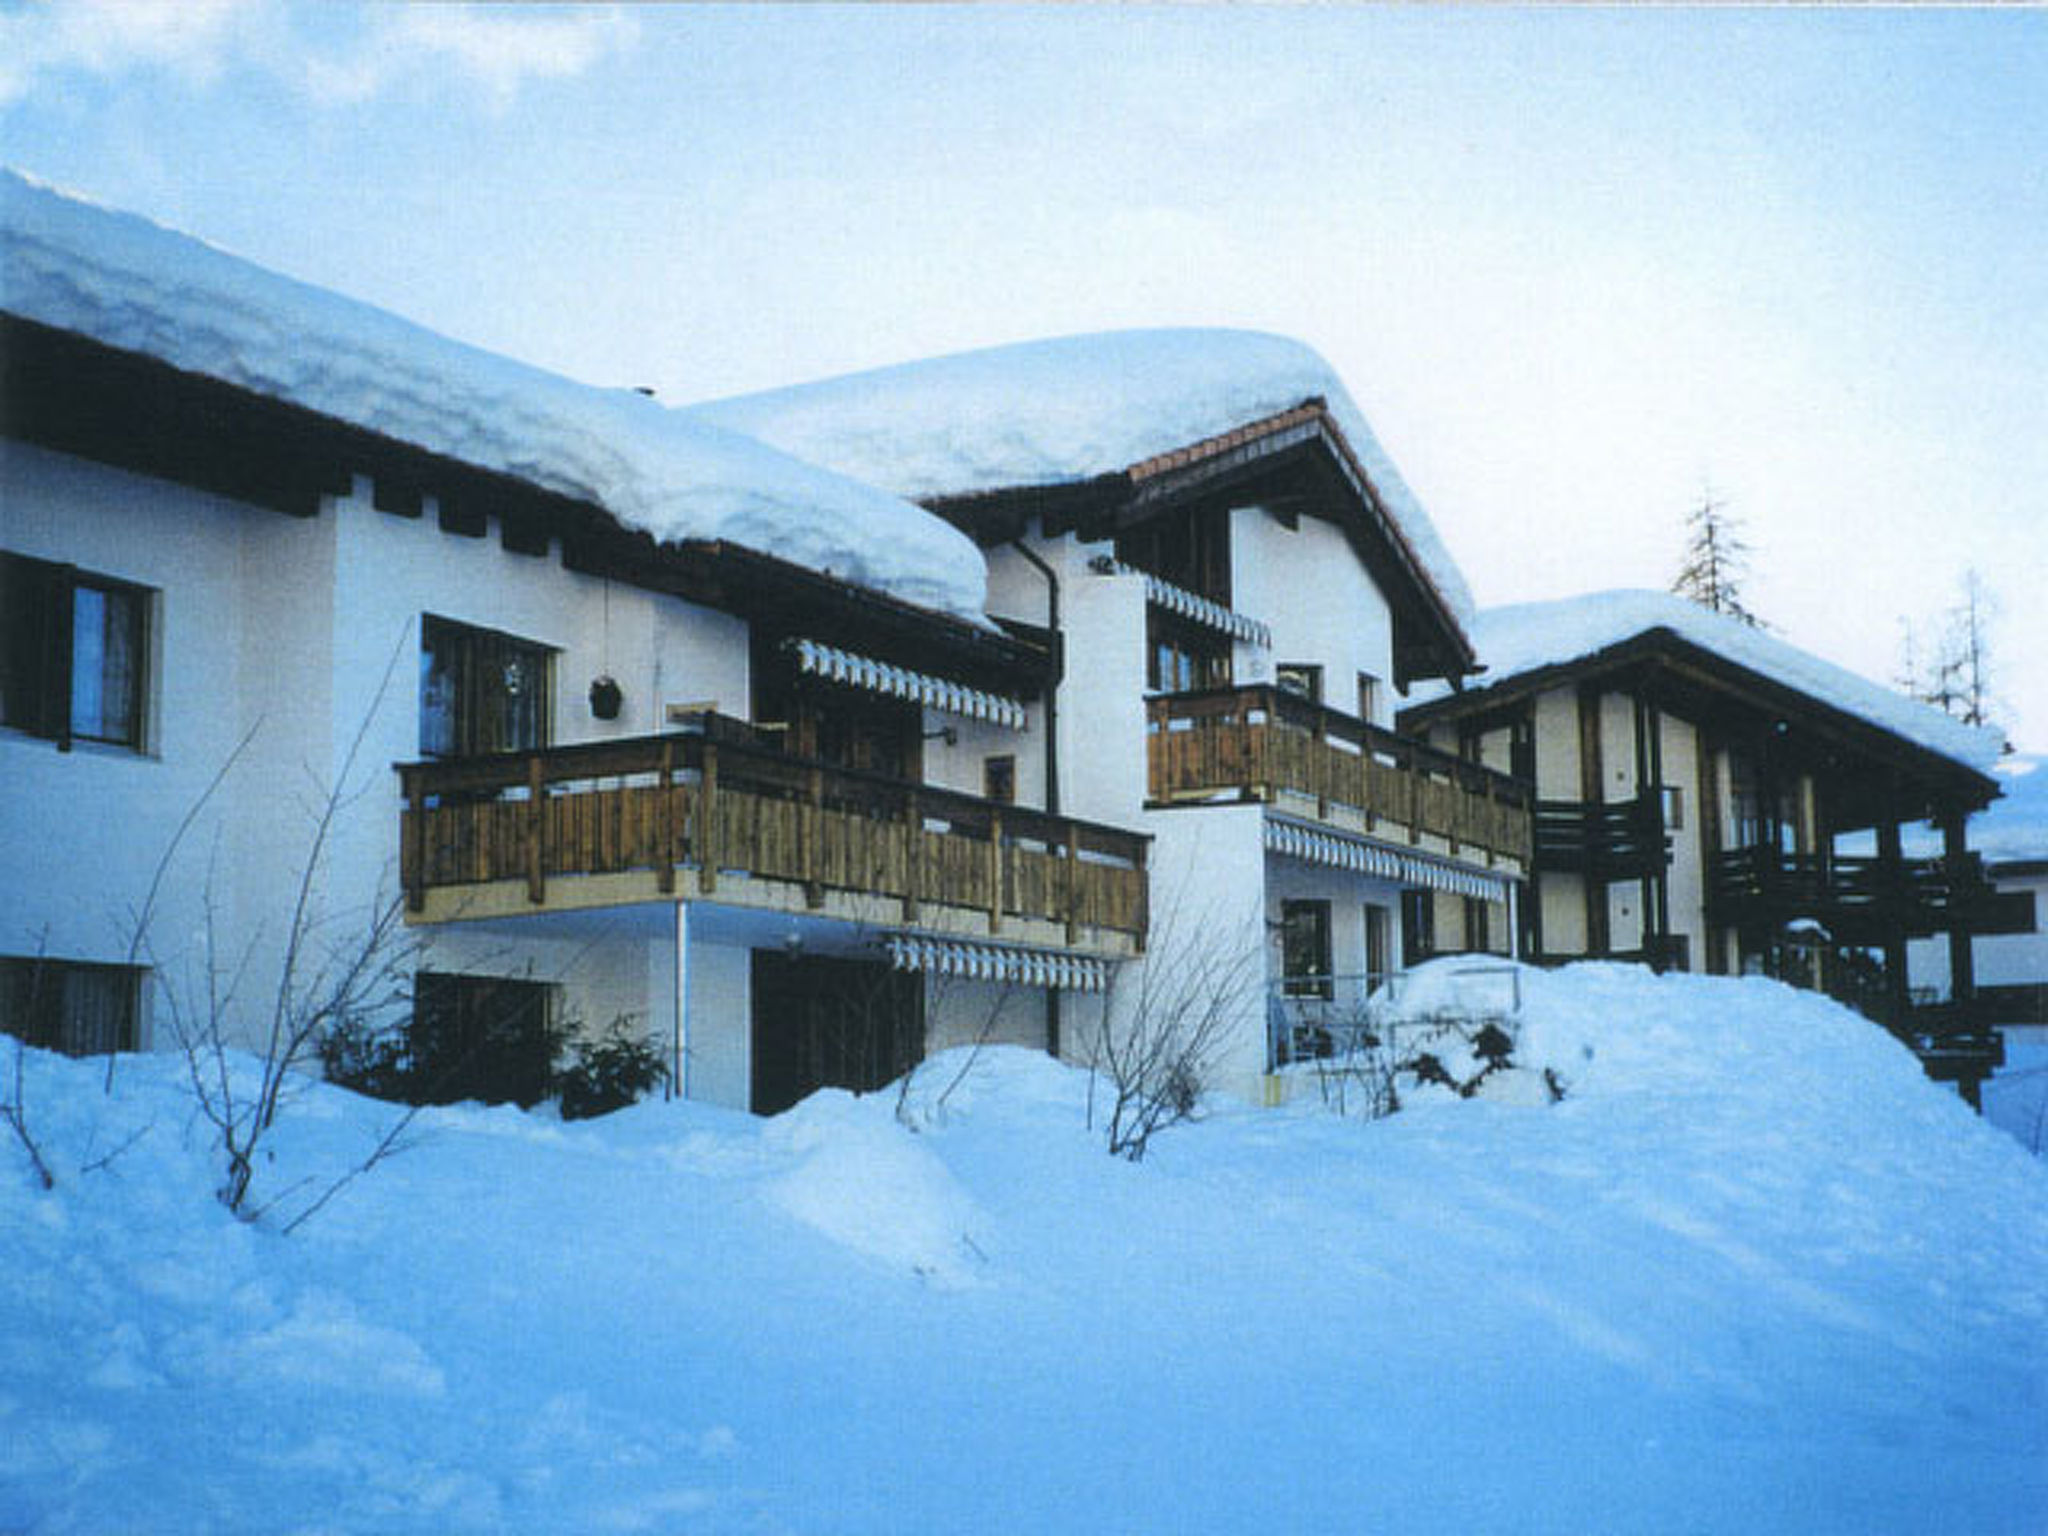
pixel 1528 637
pixel 1067 409
pixel 869 1184
pixel 135 285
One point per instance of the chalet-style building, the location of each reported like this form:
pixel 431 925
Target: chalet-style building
pixel 1235 586
pixel 1710 798
pixel 637 718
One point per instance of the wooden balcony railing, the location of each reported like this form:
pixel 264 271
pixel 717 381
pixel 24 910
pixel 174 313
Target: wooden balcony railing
pixel 1855 897
pixel 1615 840
pixel 1261 741
pixel 720 800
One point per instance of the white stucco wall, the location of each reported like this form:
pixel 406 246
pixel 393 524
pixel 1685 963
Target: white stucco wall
pixel 1307 584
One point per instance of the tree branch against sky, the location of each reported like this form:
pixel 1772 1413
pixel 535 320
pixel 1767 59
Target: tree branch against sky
pixel 1563 258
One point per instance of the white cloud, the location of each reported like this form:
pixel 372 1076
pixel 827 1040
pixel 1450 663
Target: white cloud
pixel 498 49
pixel 112 37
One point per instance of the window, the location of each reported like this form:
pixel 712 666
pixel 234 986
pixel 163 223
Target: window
pixel 1301 678
pixel 481 1037
pixel 74 659
pixel 1184 656
pixel 481 691
pixel 1379 944
pixel 999 779
pixel 1305 948
pixel 1674 807
pixel 69 1005
pixel 1368 698
pixel 1418 927
pixel 1478 924
pixel 1191 550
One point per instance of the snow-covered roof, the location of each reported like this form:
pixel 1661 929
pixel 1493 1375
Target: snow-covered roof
pixel 126 282
pixel 1054 412
pixel 1529 637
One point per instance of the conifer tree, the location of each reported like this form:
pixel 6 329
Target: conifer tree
pixel 1716 561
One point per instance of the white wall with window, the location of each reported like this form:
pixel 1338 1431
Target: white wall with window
pixel 1308 585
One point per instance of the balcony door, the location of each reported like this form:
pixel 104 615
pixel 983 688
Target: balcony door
pixel 845 726
pixel 822 1022
pixel 481 691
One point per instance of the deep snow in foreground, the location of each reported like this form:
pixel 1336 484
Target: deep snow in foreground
pixel 1753 1274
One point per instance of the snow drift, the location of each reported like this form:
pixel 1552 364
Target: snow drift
pixel 1753 1274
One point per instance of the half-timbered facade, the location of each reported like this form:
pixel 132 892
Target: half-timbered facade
pixel 1709 798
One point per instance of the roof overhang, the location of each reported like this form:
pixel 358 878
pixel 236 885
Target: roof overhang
pixel 67 392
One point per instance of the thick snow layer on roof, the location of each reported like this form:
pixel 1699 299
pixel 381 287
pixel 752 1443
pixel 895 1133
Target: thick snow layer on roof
pixel 1528 637
pixel 1062 410
pixel 128 283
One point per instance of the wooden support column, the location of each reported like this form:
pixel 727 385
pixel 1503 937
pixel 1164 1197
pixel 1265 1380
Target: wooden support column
pixel 1073 892
pixel 1891 888
pixel 1962 959
pixel 814 839
pixel 1593 794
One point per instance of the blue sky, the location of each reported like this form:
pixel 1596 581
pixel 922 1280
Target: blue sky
pixel 1575 265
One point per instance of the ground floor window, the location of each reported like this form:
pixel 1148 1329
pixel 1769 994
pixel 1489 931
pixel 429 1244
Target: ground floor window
pixel 1379 944
pixel 1305 948
pixel 489 1038
pixel 1418 927
pixel 68 1005
pixel 826 1022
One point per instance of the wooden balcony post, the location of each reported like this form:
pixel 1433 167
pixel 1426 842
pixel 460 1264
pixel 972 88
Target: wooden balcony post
pixel 814 839
pixel 1961 879
pixel 708 850
pixel 536 832
pixel 995 872
pixel 913 856
pixel 665 820
pixel 1073 902
pixel 415 856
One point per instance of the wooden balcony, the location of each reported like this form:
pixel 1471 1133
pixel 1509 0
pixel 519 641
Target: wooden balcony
pixel 1858 899
pixel 1264 744
pixel 1617 840
pixel 717 813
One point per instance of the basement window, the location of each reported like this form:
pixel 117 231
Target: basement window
pixel 73 1006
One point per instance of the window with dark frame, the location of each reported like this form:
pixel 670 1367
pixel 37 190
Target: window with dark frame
pixel 1183 657
pixel 482 691
pixel 1379 944
pixel 74 654
pixel 1305 948
pixel 999 779
pixel 78 1007
pixel 1190 549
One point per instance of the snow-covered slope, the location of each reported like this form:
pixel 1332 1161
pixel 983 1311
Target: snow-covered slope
pixel 124 281
pixel 1527 637
pixel 1754 1274
pixel 1065 409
